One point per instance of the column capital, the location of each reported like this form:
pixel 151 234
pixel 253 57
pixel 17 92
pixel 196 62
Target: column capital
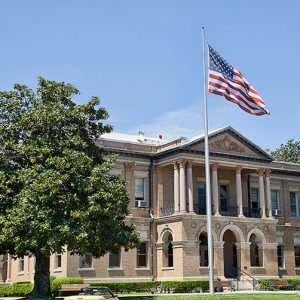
pixel 181 163
pixel 268 172
pixel 238 169
pixel 260 172
pixel 175 165
pixel 189 163
pixel 214 166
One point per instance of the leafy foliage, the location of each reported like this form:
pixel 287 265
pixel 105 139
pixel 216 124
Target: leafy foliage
pixel 17 289
pixel 290 152
pixel 55 187
pixel 57 282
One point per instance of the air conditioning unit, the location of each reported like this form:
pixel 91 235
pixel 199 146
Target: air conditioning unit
pixel 140 203
pixel 277 213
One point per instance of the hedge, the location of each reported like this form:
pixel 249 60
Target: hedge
pixel 266 284
pixel 161 286
pixel 18 289
pixel 57 282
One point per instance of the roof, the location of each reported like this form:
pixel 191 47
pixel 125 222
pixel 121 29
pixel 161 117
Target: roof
pixel 130 138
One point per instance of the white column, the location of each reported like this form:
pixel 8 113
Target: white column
pixel 239 191
pixel 262 193
pixel 176 187
pixel 268 194
pixel 215 189
pixel 190 187
pixel 182 187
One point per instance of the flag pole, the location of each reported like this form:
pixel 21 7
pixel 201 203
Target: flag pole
pixel 207 179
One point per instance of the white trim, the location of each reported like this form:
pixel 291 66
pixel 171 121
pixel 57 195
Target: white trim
pixel 140 174
pixel 224 181
pixel 293 189
pixel 201 179
pixel 86 269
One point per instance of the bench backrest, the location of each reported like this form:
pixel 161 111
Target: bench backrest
pixel 74 287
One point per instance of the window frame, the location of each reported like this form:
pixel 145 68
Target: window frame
pixel 138 254
pixel 140 200
pixel 226 185
pixel 80 261
pixel 297 257
pixel 296 204
pixel 257 198
pixel 277 200
pixel 56 266
pixel 21 265
pixel 118 256
pixel 282 266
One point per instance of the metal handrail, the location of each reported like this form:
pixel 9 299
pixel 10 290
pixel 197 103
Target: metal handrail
pixel 253 279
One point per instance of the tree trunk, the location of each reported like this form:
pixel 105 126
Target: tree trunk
pixel 41 277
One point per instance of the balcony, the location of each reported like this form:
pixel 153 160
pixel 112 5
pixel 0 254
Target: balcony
pixel 229 211
pixel 226 211
pixel 167 210
pixel 252 212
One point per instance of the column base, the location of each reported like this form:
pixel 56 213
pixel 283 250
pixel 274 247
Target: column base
pixel 192 213
pixel 217 215
pixel 242 216
pixel 264 217
pixel 271 218
pixel 183 211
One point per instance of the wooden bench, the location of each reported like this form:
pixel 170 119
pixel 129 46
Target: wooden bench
pixel 223 286
pixel 75 287
pixel 280 284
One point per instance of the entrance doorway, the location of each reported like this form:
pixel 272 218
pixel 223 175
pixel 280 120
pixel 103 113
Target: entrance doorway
pixel 230 255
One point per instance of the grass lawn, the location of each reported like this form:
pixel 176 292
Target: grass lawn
pixel 275 296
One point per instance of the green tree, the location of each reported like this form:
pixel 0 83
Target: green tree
pixel 55 187
pixel 289 152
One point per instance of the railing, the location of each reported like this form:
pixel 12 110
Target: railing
pixel 252 212
pixel 245 273
pixel 199 210
pixel 229 211
pixel 167 210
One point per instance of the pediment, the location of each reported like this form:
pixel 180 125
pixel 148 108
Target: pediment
pixel 229 142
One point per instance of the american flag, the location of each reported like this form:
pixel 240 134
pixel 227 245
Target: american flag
pixel 225 80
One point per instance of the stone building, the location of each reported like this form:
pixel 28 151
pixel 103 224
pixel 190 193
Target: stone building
pixel 255 204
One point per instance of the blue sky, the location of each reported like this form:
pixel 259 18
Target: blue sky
pixel 143 59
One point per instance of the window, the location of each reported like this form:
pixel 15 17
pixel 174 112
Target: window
pixel 224 197
pixel 86 261
pixel 142 255
pixel 294 204
pixel 275 201
pixel 114 260
pixel 58 261
pixel 21 264
pixel 140 192
pixel 201 198
pixel 280 256
pixel 297 256
pixel 254 198
pixel 256 254
pixel 170 254
pixel 203 250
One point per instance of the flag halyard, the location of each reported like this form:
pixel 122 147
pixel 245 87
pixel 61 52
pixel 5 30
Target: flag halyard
pixel 225 80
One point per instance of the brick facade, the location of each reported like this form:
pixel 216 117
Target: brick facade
pixel 245 237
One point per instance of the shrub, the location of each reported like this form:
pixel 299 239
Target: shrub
pixel 128 287
pixel 57 282
pixel 162 286
pixel 17 289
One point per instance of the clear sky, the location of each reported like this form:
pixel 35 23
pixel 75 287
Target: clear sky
pixel 143 59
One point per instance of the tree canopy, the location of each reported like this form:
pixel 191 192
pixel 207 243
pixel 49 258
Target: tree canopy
pixel 55 186
pixel 289 152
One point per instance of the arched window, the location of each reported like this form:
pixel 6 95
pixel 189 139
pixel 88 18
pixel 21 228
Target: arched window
pixel 203 250
pixel 170 255
pixel 256 255
pixel 168 250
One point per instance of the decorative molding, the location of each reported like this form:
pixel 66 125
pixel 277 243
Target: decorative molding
pixel 227 145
